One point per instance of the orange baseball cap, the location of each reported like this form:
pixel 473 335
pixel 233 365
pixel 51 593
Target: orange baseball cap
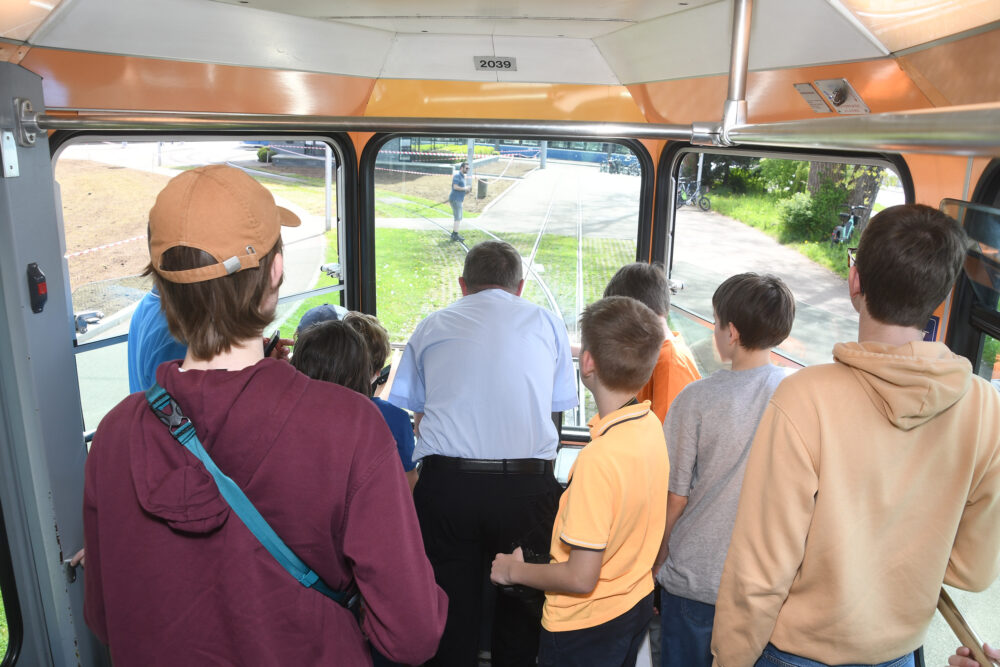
pixel 220 210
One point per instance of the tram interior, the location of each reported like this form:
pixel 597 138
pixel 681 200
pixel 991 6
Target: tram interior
pixel 355 114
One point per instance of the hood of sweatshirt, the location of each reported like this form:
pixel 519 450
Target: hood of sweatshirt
pixel 226 408
pixel 910 384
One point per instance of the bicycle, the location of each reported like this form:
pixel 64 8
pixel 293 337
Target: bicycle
pixel 849 221
pixel 689 192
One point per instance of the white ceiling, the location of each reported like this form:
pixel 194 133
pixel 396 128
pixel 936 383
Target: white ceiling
pixel 582 19
pixel 554 41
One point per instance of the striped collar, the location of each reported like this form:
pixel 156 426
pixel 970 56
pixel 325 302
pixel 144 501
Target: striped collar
pixel 600 425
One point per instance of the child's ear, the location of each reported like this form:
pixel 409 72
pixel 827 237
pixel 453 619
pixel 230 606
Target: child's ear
pixel 586 363
pixel 734 334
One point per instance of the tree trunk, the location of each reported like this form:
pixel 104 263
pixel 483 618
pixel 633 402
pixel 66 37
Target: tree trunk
pixel 824 172
pixel 863 189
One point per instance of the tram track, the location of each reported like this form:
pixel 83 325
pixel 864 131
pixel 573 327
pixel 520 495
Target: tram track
pixel 528 266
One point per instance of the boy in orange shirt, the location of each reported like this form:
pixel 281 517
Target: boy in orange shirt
pixel 599 585
pixel 675 367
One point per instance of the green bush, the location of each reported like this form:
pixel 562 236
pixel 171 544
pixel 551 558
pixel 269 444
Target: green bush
pixel 784 176
pixel 808 217
pixel 827 205
pixel 265 153
pixel 742 180
pixel 796 218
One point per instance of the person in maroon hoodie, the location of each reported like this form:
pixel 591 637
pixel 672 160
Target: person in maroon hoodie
pixel 173 576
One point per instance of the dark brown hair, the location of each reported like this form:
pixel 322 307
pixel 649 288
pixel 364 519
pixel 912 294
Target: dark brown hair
pixel 212 315
pixel 374 335
pixel 492 264
pixel 333 351
pixel 624 337
pixel 908 260
pixel 760 306
pixel 644 282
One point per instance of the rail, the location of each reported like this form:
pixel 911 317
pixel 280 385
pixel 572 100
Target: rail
pixel 966 130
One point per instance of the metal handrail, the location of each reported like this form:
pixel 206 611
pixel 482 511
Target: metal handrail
pixel 965 130
pixel 112 121
pixel 962 130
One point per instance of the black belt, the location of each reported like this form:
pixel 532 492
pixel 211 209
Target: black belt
pixel 491 466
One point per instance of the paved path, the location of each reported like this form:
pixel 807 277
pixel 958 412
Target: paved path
pixel 710 247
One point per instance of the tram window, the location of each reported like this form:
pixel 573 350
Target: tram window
pixel 989 367
pixel 4 632
pixel 573 222
pixel 770 214
pixel 107 188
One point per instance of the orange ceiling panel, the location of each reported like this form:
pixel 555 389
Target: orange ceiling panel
pixel 959 72
pixel 472 99
pixel 771 95
pixel 75 80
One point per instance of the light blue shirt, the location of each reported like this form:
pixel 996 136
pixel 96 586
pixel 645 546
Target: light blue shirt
pixel 488 371
pixel 149 343
pixel 458 196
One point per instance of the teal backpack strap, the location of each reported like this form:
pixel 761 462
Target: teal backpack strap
pixel 167 411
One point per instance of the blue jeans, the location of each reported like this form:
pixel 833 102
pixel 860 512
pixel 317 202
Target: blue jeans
pixel 686 634
pixel 456 209
pixel 772 656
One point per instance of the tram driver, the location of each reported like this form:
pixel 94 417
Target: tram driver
pixel 483 377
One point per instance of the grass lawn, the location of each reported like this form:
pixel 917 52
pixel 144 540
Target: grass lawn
pixel 417 274
pixel 763 212
pixel 312 198
pixel 389 204
pixel 4 637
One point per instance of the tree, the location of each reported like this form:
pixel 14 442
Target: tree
pixel 862 186
pixel 858 183
pixel 823 173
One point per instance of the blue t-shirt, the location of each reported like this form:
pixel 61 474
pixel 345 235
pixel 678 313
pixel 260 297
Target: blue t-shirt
pixel 402 431
pixel 149 343
pixel 459 180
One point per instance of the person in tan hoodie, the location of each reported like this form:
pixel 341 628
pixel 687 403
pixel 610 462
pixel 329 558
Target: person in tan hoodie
pixel 872 480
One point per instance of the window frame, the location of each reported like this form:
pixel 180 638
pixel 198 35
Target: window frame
pixel 346 205
pixel 366 204
pixel 969 322
pixel 665 215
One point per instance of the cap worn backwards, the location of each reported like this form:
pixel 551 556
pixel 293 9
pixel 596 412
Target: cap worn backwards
pixel 220 210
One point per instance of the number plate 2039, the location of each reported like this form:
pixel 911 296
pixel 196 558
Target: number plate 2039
pixel 495 63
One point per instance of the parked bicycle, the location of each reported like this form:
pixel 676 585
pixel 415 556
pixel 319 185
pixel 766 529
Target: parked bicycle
pixel 689 192
pixel 848 222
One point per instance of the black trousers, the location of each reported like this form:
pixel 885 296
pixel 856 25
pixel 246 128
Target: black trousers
pixel 466 518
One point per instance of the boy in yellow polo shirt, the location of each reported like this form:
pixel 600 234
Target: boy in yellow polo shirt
pixel 599 585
